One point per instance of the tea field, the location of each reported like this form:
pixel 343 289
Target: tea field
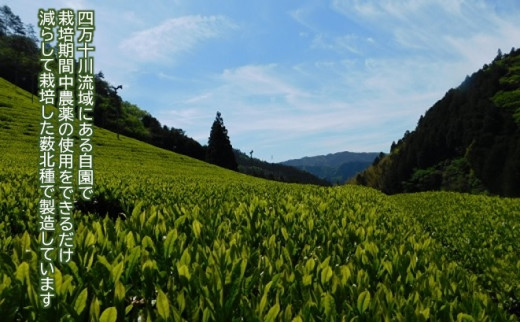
pixel 169 238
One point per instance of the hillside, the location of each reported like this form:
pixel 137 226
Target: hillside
pixel 19 127
pixel 469 141
pixel 334 168
pixel 172 238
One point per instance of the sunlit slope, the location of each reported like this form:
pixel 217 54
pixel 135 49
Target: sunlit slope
pixel 172 238
pixel 19 133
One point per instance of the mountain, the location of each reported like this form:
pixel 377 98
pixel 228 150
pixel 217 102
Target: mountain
pixel 278 172
pixel 334 168
pixel 469 141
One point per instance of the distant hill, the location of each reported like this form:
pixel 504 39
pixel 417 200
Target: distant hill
pixel 469 141
pixel 334 168
pixel 278 172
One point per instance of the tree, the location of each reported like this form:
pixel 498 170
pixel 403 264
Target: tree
pixel 220 151
pixel 10 24
pixel 119 107
pixel 19 53
pixel 499 55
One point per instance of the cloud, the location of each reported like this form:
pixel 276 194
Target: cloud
pixel 457 29
pixel 398 10
pixel 351 105
pixel 260 80
pixel 175 36
pixel 300 15
pixel 341 44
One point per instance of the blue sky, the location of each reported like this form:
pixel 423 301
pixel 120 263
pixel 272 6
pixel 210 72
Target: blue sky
pixel 293 78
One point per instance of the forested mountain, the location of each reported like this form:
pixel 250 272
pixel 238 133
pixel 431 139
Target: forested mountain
pixel 334 168
pixel 469 141
pixel 278 172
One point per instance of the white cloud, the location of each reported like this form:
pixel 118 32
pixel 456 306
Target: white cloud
pixel 260 80
pixel 300 15
pixel 341 44
pixel 175 36
pixel 458 28
pixel 400 10
pixel 349 103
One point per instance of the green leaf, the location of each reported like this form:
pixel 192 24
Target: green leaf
pixel 116 272
pixel 345 274
pixel 185 258
pixel 137 209
pixel 463 317
pixel 120 291
pixel 272 241
pixel 325 263
pixel 243 266
pixel 22 273
pixel 58 280
pixel 206 314
pixel 326 275
pixel 181 301
pixel 169 243
pixel 90 239
pixel 387 265
pixel 309 265
pixel 285 234
pixel 108 315
pixel 425 313
pixel 196 228
pixel 307 280
pixel 163 305
pixel 81 301
pixel 287 316
pixel 147 242
pixel 184 271
pixel 363 301
pixel 104 261
pixel 263 301
pixel 26 242
pixel 132 259
pixel 273 313
pixel 130 241
pixel 66 284
pixel 328 304
pixel 90 260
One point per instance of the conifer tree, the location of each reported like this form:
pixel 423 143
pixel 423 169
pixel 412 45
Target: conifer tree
pixel 220 151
